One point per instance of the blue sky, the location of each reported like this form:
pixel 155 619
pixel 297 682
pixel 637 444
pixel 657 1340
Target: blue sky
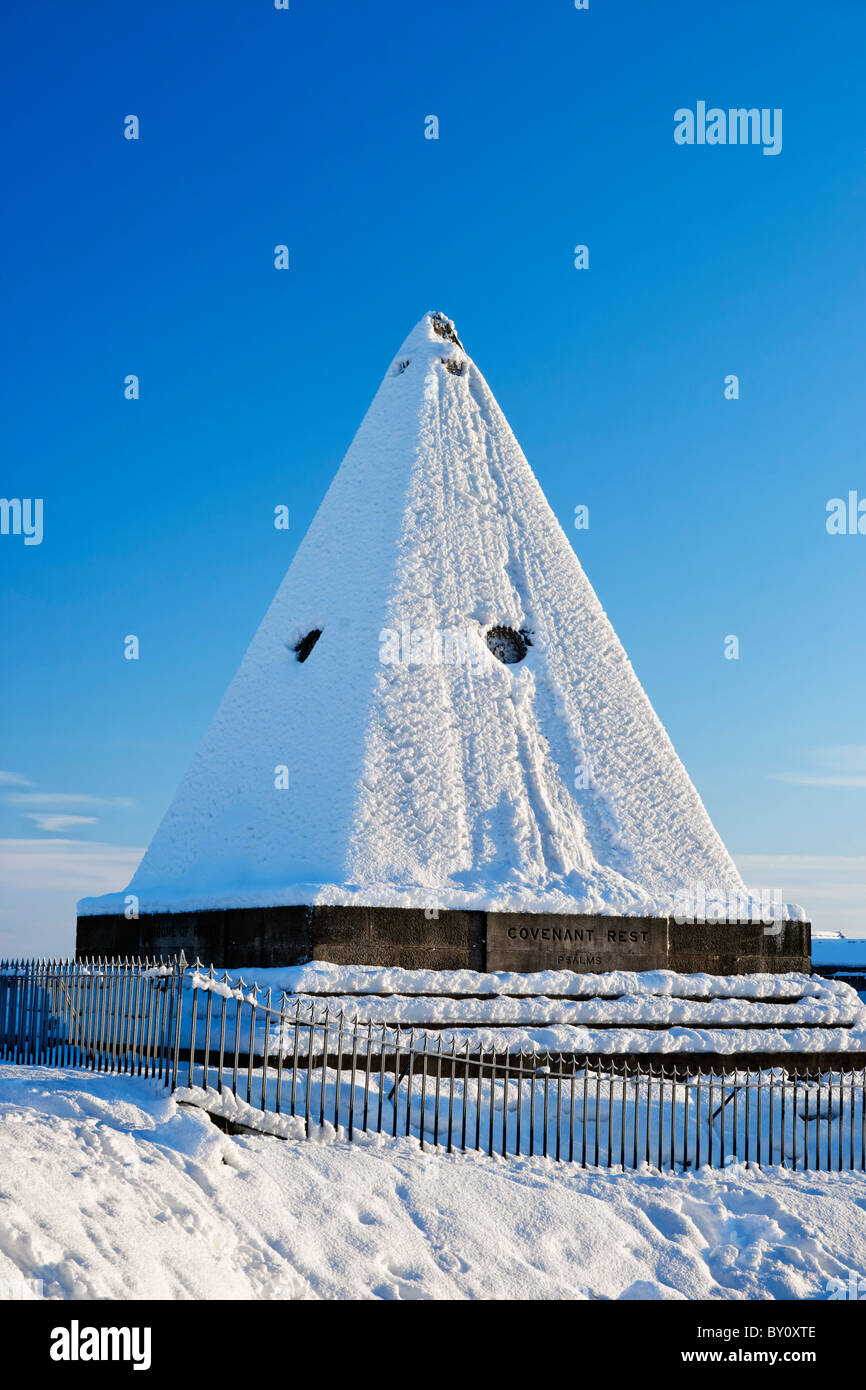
pixel 306 127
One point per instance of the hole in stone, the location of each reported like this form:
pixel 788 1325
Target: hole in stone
pixel 306 644
pixel 507 644
pixel 452 365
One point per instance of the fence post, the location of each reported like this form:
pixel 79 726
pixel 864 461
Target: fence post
pixel 179 971
pixel 194 987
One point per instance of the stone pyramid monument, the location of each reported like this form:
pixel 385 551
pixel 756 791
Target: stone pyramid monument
pixel 435 737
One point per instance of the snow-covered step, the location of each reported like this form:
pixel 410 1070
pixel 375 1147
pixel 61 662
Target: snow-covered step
pixel 831 1009
pixel 326 981
pixel 635 1014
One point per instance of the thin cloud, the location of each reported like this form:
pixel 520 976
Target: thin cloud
pixel 807 779
pixel 58 820
pixel 40 883
pixel 11 779
pixel 830 887
pixel 50 799
pixel 841 765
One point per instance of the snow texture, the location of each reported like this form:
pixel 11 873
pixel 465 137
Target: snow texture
pixel 424 771
pixel 111 1190
pixel 321 977
pixel 620 1012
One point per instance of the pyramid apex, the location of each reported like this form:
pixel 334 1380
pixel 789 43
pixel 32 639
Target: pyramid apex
pixel 432 331
pixel 443 327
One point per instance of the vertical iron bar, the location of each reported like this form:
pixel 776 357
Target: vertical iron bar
pixel 281 1045
pixel 635 1114
pixel 117 1017
pixel 505 1080
pixel 190 1080
pixel 178 1019
pixel 492 1105
pixel 686 1094
pixel 585 1110
pixel 367 1072
pixel 622 1114
pixel 148 994
pixel 309 1077
pixel 611 1083
pixel 338 1084
pixel 438 1090
pixel 533 1082
pixel 223 1010
pixel 295 1056
pixel 519 1099
pixel 252 1002
pixel 266 1044
pixel 354 1074
pixel 452 1082
pixel 660 1155
pixel 410 1081
pixel 381 1083
pixel 129 1025
pixel 309 1081
pixel 596 1137
pixel 806 1079
pixel 424 1091
pixel 760 1076
pixel 325 1036
pixel 239 1002
pixel 396 1091
pixel 674 1114
pixel 649 1103
pixel 208 1017
pixel 103 1017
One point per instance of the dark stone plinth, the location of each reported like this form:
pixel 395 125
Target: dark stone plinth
pixel 414 938
pixel 739 948
pixel 263 936
pixel 452 940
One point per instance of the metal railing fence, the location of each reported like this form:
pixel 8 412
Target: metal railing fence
pixel 212 1037
pixel 102 1015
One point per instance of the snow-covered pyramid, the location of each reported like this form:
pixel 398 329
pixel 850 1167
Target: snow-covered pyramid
pixel 460 724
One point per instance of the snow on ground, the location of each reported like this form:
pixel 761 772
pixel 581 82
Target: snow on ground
pixel 109 1189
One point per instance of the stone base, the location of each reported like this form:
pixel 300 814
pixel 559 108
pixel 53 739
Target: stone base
pixel 453 940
